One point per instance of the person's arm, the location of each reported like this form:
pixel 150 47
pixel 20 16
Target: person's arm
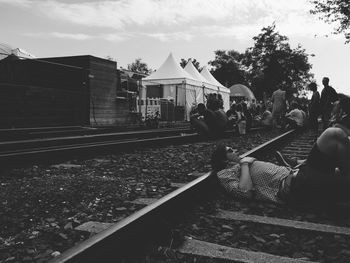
pixel 245 182
pixel 230 178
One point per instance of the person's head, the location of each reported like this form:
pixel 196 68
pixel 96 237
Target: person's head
pixel 239 107
pixel 325 81
pixel 201 108
pixel 313 86
pixel 233 106
pixel 221 156
pixel 294 105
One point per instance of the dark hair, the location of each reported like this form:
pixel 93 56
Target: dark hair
pixel 201 106
pixel 325 79
pixel 294 104
pixel 313 86
pixel 219 158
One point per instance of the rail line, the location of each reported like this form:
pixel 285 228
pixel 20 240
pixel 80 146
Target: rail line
pixel 24 152
pixel 195 221
pixel 156 221
pixel 42 150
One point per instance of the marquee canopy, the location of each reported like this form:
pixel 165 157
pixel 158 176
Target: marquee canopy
pixel 187 87
pixel 210 79
pixel 170 72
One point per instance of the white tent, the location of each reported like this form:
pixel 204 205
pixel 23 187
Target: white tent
pixel 175 83
pixel 6 50
pixel 239 90
pixel 190 69
pixel 225 92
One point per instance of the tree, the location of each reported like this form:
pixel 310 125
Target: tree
pixel 139 66
pixel 334 11
pixel 227 67
pixel 271 63
pixel 195 63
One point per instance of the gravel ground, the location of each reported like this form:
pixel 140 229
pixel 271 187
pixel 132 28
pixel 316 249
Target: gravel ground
pixel 41 205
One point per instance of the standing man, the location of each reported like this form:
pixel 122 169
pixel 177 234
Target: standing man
pixel 314 107
pixel 328 97
pixel 279 106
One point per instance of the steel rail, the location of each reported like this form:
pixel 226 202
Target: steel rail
pixel 21 144
pixel 51 132
pixel 53 153
pixel 142 227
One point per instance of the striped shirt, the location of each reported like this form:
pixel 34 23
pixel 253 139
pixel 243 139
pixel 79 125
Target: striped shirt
pixel 266 178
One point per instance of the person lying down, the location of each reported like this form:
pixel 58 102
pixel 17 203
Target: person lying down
pixel 323 177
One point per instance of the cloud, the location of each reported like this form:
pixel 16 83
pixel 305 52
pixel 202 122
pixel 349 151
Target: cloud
pixel 70 36
pixel 80 36
pixel 165 37
pixel 119 14
pixel 184 19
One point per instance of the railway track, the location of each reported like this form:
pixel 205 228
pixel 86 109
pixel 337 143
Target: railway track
pixel 66 131
pixel 199 223
pixel 25 152
pixel 50 149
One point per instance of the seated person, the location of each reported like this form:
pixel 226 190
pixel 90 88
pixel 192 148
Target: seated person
pixel 232 116
pixel 197 120
pixel 266 118
pixel 208 122
pixel 316 180
pixel 221 122
pixel 295 118
pixel 241 120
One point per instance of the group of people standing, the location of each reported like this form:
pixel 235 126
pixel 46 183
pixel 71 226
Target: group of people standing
pixel 320 105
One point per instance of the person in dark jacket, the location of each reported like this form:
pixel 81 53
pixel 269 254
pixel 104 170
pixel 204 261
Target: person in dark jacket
pixel 314 107
pixel 328 97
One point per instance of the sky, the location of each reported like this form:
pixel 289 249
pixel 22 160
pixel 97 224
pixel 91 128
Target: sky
pixel 150 29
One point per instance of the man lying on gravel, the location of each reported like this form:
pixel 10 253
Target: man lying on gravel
pixel 315 180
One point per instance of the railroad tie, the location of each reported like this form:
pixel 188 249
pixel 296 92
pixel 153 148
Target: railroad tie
pixel 229 215
pixel 206 249
pixel 93 227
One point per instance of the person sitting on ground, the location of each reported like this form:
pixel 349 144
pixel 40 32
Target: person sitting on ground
pixel 241 120
pixel 221 122
pixel 198 119
pixel 232 116
pixel 266 118
pixel 295 118
pixel 316 180
pixel 248 115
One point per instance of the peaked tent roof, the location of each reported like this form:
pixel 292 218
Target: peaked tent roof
pixel 170 69
pixel 210 78
pixel 190 68
pixel 241 90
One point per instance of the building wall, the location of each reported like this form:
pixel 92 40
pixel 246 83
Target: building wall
pixel 104 109
pixel 58 91
pixel 37 94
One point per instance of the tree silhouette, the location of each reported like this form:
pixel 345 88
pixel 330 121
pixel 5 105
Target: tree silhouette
pixel 195 63
pixel 227 67
pixel 271 63
pixel 139 66
pixel 334 11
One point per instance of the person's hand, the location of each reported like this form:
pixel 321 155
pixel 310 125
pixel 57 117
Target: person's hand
pixel 247 160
